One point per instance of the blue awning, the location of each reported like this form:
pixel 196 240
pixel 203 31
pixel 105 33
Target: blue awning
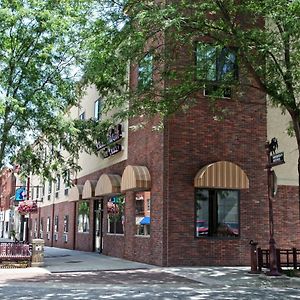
pixel 145 221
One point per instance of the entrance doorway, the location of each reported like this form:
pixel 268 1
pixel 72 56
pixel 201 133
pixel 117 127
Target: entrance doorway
pixel 98 225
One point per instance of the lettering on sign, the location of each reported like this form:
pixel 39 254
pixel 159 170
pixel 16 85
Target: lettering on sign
pixel 112 145
pixel 277 159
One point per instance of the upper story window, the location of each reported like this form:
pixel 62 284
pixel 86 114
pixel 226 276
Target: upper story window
pixel 216 66
pixel 145 72
pixel 97 110
pixel 82 116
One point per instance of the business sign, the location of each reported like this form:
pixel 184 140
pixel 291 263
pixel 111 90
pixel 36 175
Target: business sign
pixel 113 144
pixel 20 194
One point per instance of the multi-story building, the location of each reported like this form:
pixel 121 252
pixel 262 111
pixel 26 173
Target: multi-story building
pixel 193 193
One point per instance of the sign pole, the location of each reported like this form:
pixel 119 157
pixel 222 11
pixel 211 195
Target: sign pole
pixel 272 244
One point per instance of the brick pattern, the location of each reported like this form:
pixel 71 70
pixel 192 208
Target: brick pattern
pixel 196 140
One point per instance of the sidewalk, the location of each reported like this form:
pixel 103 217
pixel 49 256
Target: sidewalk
pixel 64 260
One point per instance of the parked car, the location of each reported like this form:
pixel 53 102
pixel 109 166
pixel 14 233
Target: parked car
pixel 201 227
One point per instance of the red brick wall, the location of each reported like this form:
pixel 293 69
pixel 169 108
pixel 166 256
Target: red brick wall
pixel 286 217
pixel 196 140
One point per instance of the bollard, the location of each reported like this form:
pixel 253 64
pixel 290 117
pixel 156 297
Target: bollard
pixel 37 253
pixel 253 254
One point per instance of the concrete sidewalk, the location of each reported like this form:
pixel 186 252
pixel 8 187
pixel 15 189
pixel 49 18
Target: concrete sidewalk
pixel 64 260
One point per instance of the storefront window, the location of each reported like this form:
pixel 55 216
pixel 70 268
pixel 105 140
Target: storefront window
pixel 83 217
pixel 115 213
pixel 142 213
pixel 217 213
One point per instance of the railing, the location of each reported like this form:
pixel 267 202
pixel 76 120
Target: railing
pixel 12 251
pixel 285 258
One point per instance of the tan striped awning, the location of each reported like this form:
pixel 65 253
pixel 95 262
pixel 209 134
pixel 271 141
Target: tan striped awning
pixel 108 185
pixel 222 174
pixel 75 193
pixel 136 178
pixel 89 189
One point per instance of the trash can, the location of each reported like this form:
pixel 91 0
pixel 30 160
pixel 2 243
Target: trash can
pixel 37 253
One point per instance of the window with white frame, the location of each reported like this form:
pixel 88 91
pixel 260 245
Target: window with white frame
pixel 97 110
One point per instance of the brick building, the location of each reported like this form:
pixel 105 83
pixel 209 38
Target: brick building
pixel 194 193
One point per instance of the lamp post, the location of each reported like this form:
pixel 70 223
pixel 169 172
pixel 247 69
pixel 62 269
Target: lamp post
pixel 272 244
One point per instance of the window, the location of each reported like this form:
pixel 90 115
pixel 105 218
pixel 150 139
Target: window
pixel 67 182
pixel 50 187
pixel 97 110
pixel 217 213
pixel 56 224
pixel 82 116
pixel 48 224
pixel 115 213
pixel 217 67
pixel 142 213
pixel 66 224
pixel 35 226
pixel 57 186
pixel 83 221
pixel 145 70
pixel 41 224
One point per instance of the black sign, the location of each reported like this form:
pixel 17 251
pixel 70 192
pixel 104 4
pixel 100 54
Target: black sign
pixel 111 150
pixel 113 135
pixel 277 159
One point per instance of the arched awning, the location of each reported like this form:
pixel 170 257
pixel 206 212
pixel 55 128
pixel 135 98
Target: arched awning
pixel 75 193
pixel 136 178
pixel 222 174
pixel 89 189
pixel 108 185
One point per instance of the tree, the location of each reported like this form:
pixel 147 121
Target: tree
pixel 42 49
pixel 262 35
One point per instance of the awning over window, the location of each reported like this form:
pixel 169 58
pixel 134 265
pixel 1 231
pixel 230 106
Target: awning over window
pixel 136 178
pixel 145 221
pixel 75 193
pixel 108 185
pixel 222 174
pixel 89 189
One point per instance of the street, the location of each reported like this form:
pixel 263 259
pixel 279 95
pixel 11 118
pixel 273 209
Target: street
pixel 69 274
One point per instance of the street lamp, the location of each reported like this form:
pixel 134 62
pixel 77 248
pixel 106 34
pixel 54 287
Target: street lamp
pixel 274 159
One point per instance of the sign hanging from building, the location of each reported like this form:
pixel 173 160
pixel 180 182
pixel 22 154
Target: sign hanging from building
pixel 20 194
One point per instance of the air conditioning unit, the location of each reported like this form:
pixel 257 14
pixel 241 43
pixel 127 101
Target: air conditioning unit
pixel 55 236
pixel 65 238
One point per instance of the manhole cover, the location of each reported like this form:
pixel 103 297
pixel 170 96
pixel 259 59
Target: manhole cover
pixel 73 261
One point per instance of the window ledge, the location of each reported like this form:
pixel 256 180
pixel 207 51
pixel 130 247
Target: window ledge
pixel 142 236
pixel 118 234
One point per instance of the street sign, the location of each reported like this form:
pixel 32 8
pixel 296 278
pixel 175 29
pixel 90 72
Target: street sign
pixel 277 159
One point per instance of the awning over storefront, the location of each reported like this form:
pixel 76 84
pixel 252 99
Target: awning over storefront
pixel 145 221
pixel 89 189
pixel 75 193
pixel 136 178
pixel 222 174
pixel 108 185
